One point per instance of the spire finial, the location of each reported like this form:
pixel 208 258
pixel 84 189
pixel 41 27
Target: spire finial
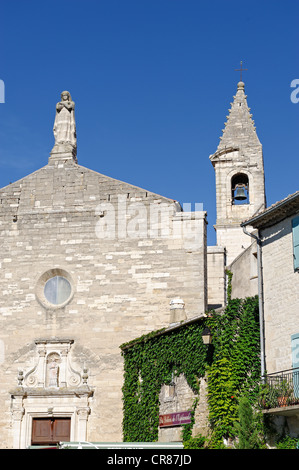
pixel 241 70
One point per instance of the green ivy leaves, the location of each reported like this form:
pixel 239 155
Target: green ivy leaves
pixel 150 363
pixel 232 364
pixel 235 370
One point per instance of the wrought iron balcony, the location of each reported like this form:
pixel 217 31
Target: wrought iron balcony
pixel 280 389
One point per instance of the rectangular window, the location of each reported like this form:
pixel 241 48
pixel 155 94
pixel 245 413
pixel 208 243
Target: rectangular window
pixel 295 229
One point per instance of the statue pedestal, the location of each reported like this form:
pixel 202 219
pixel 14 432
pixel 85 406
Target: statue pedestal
pixel 63 152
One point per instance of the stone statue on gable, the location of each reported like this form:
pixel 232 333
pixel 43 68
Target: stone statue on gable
pixel 64 126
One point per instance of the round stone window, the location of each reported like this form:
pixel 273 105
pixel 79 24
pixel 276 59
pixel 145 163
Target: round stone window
pixel 57 290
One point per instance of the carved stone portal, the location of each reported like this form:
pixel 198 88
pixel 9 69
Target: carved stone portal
pixel 53 387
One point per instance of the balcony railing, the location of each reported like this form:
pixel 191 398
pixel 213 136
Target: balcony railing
pixel 280 389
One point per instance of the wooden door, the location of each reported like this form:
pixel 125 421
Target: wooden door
pixel 50 431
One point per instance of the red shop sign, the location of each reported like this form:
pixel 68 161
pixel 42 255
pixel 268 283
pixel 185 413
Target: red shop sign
pixel 175 419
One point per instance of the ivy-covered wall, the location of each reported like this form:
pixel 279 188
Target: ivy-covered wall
pixel 235 368
pixel 231 363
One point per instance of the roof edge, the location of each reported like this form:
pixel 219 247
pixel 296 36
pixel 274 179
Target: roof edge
pixel 273 214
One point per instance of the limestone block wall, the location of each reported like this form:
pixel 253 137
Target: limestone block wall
pixel 180 398
pixel 216 277
pixel 234 240
pixel 124 268
pixel 245 273
pixel 281 295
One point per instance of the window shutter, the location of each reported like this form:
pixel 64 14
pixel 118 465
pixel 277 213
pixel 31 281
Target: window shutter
pixel 61 429
pixel 49 431
pixel 295 227
pixel 41 431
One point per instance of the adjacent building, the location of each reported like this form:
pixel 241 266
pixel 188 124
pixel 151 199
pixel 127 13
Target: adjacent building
pixel 276 235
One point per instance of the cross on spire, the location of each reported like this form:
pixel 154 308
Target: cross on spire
pixel 241 70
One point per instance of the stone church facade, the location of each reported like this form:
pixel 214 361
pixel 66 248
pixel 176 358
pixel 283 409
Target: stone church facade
pixel 89 263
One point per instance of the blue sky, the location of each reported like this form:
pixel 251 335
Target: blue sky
pixel 152 81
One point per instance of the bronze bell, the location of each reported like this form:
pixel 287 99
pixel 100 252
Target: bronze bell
pixel 240 194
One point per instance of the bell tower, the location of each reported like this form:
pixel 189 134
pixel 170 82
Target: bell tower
pixel 239 173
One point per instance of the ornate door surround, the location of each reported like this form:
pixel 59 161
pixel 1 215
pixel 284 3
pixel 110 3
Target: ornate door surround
pixel 52 388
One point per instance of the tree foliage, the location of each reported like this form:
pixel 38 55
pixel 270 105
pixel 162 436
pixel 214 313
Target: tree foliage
pixel 246 428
